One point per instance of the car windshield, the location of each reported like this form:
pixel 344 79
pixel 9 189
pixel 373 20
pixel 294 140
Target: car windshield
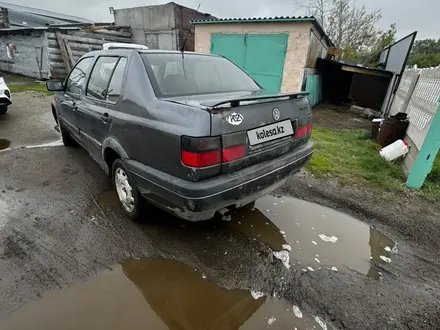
pixel 177 75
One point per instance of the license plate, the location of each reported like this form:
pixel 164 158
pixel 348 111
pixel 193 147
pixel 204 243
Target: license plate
pixel 270 132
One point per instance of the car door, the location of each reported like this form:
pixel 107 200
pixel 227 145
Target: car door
pixel 102 95
pixel 72 95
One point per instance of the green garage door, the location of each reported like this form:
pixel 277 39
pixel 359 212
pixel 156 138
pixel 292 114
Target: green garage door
pixel 261 56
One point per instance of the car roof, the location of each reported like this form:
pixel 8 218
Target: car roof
pixel 128 52
pixel 120 45
pixel 160 51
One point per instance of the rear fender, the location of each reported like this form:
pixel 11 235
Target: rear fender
pixel 112 143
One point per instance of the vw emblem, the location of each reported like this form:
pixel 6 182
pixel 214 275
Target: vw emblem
pixel 276 114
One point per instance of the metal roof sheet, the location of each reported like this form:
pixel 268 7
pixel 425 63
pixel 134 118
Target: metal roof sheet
pixel 255 19
pixel 276 19
pixel 33 17
pixel 74 27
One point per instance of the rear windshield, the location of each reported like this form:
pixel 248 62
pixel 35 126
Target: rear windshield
pixel 195 74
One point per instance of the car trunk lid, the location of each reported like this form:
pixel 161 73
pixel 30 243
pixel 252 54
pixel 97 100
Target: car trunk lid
pixel 254 126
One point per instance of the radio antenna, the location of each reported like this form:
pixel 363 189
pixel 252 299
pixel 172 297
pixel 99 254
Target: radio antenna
pixel 188 32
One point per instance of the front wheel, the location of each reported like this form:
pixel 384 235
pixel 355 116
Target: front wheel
pixel 3 109
pixel 131 200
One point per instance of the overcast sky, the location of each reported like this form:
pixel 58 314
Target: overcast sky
pixel 410 15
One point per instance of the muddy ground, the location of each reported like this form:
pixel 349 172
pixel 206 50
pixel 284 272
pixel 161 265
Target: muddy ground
pixel 28 121
pixel 70 259
pixel 338 117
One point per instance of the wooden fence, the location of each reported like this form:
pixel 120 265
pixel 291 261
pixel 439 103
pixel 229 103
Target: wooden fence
pixel 65 47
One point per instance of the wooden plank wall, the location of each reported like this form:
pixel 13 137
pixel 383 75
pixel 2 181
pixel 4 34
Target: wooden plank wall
pixel 29 56
pixel 80 42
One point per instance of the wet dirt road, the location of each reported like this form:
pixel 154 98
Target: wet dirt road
pixel 29 121
pixel 69 259
pixel 60 224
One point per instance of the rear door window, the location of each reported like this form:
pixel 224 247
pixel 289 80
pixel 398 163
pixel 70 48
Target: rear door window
pixel 100 77
pixel 115 86
pixel 77 77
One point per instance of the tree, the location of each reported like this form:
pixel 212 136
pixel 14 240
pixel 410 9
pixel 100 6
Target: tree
pixel 425 53
pixel 427 46
pixel 343 21
pixel 383 40
pixel 351 28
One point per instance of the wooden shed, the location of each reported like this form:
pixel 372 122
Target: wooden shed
pixel 50 52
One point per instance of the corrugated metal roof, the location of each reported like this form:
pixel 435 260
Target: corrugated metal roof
pixel 32 17
pixel 276 19
pixel 74 27
pixel 256 19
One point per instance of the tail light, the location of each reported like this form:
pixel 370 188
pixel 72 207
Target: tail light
pixel 203 152
pixel 233 153
pixel 304 127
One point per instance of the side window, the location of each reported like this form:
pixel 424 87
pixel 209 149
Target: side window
pixel 77 77
pixel 115 86
pixel 100 77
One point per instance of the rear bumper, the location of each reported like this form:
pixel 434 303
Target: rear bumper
pixel 4 100
pixel 196 201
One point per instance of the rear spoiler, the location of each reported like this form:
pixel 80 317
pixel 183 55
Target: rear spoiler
pixel 236 102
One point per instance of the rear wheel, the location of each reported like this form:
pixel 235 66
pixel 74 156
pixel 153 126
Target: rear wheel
pixel 131 200
pixel 3 109
pixel 68 141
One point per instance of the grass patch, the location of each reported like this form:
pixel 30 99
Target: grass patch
pixel 30 87
pixel 320 165
pixel 12 79
pixel 353 158
pixel 17 83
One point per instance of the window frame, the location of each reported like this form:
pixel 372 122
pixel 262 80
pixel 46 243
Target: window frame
pixel 105 100
pixel 123 79
pixel 70 93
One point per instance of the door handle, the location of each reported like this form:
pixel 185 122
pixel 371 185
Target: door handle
pixel 106 118
pixel 74 106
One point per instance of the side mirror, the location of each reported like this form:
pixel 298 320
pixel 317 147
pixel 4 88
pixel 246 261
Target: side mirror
pixel 54 86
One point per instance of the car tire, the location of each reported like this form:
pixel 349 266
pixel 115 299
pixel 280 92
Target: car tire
pixel 131 201
pixel 68 141
pixel 3 109
pixel 247 207
pixel 55 117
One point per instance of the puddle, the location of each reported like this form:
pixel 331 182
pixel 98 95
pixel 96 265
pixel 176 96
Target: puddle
pixel 155 294
pixel 315 236
pixel 106 200
pixel 4 144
